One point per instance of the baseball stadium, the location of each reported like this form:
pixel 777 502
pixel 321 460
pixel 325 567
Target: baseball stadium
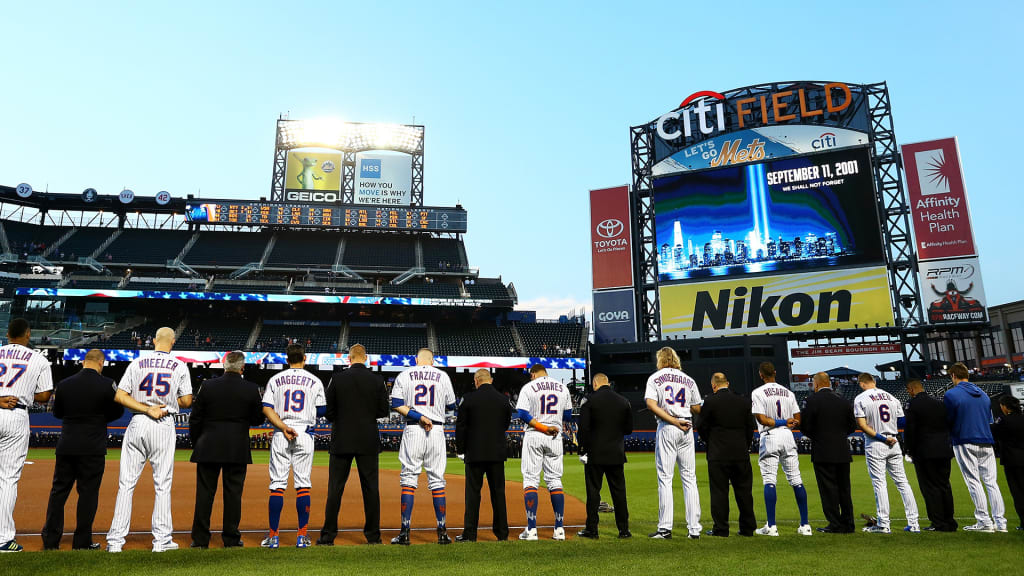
pixel 339 373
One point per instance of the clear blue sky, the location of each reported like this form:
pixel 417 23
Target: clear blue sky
pixel 526 105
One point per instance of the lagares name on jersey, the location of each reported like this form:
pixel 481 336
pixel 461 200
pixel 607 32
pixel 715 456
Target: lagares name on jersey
pixel 547 386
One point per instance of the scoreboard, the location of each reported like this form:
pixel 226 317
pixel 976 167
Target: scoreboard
pixel 423 219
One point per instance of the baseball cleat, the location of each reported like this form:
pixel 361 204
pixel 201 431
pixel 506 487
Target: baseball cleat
pixel 912 529
pixel 1001 528
pixel 402 539
pixel 442 537
pixel 529 534
pixel 871 520
pixel 694 536
pixel 11 546
pixel 876 530
pixel 767 530
pixel 558 534
pixel 980 528
pixel 113 549
pixel 303 541
pixel 270 542
pixel 166 547
pixel 804 530
pixel 661 535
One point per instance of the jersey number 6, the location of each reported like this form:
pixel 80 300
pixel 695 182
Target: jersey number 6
pixel 883 413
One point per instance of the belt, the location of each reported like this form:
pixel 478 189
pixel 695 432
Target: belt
pixel 411 421
pixel 20 407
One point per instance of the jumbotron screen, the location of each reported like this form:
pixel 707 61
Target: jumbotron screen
pixel 792 214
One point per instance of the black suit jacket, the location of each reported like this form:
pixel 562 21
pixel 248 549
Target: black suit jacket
pixel 85 402
pixel 827 419
pixel 605 418
pixel 727 426
pixel 356 398
pixel 481 423
pixel 1009 435
pixel 222 412
pixel 926 433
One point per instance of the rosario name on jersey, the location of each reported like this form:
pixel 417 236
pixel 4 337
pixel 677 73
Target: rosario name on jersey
pixel 774 401
pixel 426 390
pixel 23 373
pixel 674 392
pixel 546 399
pixel 157 379
pixel 880 409
pixel 295 394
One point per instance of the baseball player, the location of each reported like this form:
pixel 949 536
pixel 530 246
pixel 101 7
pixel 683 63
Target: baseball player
pixel 777 413
pixel 878 414
pixel 24 377
pixel 292 401
pixel 423 394
pixel 153 386
pixel 544 404
pixel 673 397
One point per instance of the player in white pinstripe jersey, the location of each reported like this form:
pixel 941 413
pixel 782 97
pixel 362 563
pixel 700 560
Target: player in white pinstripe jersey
pixel 878 414
pixel 777 413
pixel 544 405
pixel 160 384
pixel 423 394
pixel 24 377
pixel 673 397
pixel 292 401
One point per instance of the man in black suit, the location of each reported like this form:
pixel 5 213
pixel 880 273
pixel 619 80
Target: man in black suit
pixel 222 412
pixel 605 419
pixel 356 398
pixel 727 427
pixel 1008 432
pixel 926 439
pixel 85 403
pixel 827 419
pixel 480 428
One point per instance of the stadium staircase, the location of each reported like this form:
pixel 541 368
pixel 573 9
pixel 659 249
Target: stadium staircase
pixel 56 243
pixel 518 339
pixel 254 335
pixel 463 258
pixel 343 337
pixel 340 253
pixel 4 242
pixel 431 337
pixel 188 246
pixel 180 330
pixel 268 249
pixel 408 275
pixel 91 263
pixel 419 253
pixel 103 246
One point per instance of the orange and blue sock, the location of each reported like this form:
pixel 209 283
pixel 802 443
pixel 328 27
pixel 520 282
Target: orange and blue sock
pixel 558 504
pixel 530 497
pixel 275 506
pixel 302 508
pixel 408 497
pixel 439 506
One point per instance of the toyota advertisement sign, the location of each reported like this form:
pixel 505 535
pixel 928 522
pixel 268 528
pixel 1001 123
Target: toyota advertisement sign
pixel 610 237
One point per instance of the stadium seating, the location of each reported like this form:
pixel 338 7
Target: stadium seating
pixel 550 338
pixel 82 243
pixel 215 334
pixel 227 249
pixel 379 251
pixel 300 249
pixel 388 340
pixel 100 282
pixel 129 339
pixel 475 340
pixel 22 236
pixel 332 288
pixel 436 289
pixel 197 285
pixel 145 246
pixel 323 338
pixel 488 289
pixel 442 255
pixel 250 286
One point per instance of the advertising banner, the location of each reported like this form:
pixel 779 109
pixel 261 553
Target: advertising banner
pixel 383 179
pixel 614 316
pixel 847 350
pixel 953 291
pixel 313 170
pixel 826 300
pixel 938 200
pixel 611 238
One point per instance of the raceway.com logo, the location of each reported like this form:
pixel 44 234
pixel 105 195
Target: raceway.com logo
pixel 610 228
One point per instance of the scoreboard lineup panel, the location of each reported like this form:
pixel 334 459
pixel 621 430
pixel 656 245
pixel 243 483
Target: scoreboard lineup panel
pixel 368 217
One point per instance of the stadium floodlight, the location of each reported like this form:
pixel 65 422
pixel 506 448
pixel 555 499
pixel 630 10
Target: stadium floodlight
pixel 336 134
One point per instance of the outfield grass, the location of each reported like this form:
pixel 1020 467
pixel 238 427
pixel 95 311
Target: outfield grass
pixel 934 553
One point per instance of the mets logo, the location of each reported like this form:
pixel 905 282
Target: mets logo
pixel 610 228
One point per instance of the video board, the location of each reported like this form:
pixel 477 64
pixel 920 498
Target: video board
pixel 328 215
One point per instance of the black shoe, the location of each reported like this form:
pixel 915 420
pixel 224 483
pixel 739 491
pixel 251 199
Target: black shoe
pixel 463 538
pixel 694 536
pixel 368 543
pixel 236 544
pixel 625 535
pixel 328 542
pixel 716 534
pixel 591 534
pixel 826 530
pixel 93 546
pixel 442 537
pixel 52 548
pixel 199 546
pixel 402 539
pixel 929 529
pixel 661 535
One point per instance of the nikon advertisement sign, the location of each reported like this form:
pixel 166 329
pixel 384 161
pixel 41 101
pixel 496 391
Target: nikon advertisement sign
pixel 827 300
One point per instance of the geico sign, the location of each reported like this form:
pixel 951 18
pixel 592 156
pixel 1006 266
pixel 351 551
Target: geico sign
pixel 733 308
pixel 311 196
pixel 711 112
pixel 616 316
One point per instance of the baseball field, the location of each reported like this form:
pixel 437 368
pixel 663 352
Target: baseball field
pixel 926 553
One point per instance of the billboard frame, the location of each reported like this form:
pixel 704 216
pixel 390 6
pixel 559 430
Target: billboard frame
pixel 410 143
pixel 891 199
